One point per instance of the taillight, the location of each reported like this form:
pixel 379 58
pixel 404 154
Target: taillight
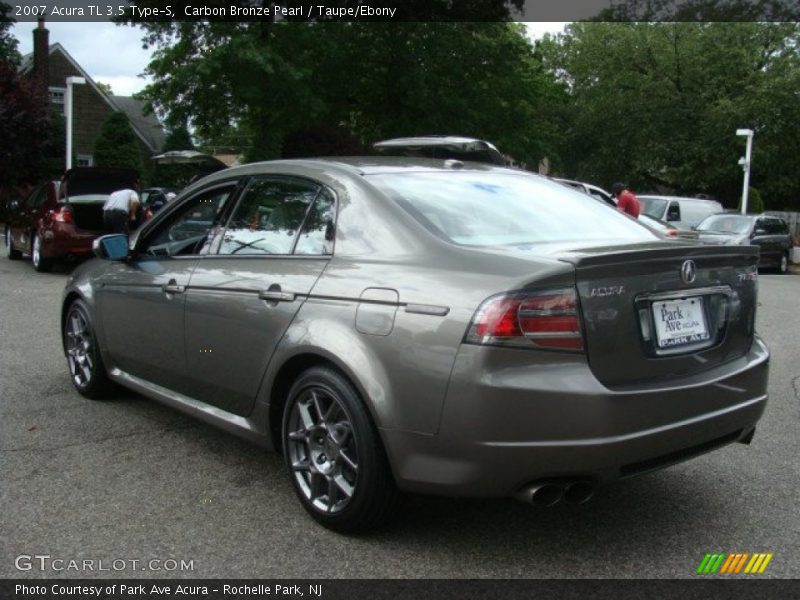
pixel 62 215
pixel 672 232
pixel 543 319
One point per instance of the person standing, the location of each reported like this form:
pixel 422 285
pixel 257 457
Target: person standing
pixel 627 201
pixel 120 210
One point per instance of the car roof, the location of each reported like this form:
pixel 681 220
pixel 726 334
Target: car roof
pixel 371 165
pixel 681 198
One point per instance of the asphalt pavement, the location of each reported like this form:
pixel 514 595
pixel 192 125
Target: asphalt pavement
pixel 130 480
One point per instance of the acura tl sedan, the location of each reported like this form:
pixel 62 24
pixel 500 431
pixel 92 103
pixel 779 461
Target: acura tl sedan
pixel 415 325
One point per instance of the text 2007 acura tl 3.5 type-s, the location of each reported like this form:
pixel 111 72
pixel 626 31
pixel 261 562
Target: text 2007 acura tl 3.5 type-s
pixel 424 326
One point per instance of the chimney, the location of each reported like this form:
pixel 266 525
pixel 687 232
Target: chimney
pixel 41 53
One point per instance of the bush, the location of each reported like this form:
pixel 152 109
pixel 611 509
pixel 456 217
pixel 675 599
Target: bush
pixel 755 204
pixel 116 145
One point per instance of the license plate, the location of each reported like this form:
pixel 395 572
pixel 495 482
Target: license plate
pixel 680 322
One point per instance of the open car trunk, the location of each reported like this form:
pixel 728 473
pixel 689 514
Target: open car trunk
pixel 88 188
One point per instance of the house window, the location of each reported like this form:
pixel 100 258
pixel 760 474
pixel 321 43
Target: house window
pixel 84 160
pixel 57 97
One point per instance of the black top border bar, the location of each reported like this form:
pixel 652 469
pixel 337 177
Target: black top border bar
pixel 403 11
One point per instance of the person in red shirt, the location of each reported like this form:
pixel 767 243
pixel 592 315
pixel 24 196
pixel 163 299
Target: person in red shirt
pixel 627 202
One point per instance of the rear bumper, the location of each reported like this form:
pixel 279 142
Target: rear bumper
pixel 67 241
pixel 503 429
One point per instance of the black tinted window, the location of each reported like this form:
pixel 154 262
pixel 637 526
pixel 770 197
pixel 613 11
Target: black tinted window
pixel 268 217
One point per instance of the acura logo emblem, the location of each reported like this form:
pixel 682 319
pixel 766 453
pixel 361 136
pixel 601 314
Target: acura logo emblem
pixel 687 271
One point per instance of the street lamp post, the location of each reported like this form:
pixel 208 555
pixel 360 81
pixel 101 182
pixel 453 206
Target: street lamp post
pixel 745 162
pixel 68 106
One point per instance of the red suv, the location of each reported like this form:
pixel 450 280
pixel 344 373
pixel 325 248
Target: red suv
pixel 61 219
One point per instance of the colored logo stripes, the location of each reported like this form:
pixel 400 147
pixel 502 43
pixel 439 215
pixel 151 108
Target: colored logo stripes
pixel 734 563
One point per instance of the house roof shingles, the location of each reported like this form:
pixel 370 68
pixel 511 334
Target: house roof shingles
pixel 146 126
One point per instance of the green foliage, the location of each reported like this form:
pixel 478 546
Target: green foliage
pixel 175 176
pixel 8 43
pixel 105 88
pixel 755 204
pixel 658 104
pixel 178 138
pixel 27 134
pixel 116 145
pixel 264 80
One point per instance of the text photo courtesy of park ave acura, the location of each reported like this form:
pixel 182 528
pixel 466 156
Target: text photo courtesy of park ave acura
pixel 429 302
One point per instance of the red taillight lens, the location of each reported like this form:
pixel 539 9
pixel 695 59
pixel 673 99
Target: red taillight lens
pixel 672 232
pixel 547 319
pixel 62 215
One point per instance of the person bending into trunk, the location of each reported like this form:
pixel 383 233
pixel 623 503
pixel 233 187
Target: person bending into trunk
pixel 120 210
pixel 627 202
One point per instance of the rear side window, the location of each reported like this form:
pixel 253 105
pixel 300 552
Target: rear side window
pixel 268 217
pixel 318 230
pixel 479 209
pixel 38 197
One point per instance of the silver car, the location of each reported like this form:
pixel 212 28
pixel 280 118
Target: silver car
pixel 415 325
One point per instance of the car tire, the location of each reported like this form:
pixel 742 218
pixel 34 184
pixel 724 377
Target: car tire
pixel 10 252
pixel 783 265
pixel 335 458
pixel 41 264
pixel 86 369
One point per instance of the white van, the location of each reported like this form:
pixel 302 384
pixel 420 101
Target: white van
pixel 684 213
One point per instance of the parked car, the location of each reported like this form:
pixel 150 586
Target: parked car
pixel 683 213
pixel 155 198
pixel 62 219
pixel 588 188
pixel 442 146
pixel 770 234
pixel 599 193
pixel 423 326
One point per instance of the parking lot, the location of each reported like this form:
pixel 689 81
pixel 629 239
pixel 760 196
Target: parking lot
pixel 128 479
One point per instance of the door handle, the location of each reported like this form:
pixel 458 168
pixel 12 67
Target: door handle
pixel 173 288
pixel 277 296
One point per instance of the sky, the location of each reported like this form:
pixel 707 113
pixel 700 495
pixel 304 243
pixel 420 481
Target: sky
pixel 113 54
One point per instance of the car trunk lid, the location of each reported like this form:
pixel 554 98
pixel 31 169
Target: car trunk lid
pixel 657 311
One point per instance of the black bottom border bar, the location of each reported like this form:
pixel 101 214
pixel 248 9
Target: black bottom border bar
pixel 394 589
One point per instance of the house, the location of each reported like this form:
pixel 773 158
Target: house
pixel 51 64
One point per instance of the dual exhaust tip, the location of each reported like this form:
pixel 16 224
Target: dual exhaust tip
pixel 550 493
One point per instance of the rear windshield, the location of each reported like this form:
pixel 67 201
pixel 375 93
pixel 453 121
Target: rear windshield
pixel 726 224
pixel 652 207
pixel 489 209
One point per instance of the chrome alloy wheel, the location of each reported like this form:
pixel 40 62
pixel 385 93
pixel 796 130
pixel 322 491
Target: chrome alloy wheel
pixel 78 342
pixel 322 450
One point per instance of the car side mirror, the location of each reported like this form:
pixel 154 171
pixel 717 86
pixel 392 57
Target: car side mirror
pixel 111 247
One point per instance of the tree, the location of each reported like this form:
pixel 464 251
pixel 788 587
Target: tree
pixel 8 43
pixel 658 104
pixel 116 145
pixel 264 80
pixel 26 132
pixel 179 138
pixel 105 88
